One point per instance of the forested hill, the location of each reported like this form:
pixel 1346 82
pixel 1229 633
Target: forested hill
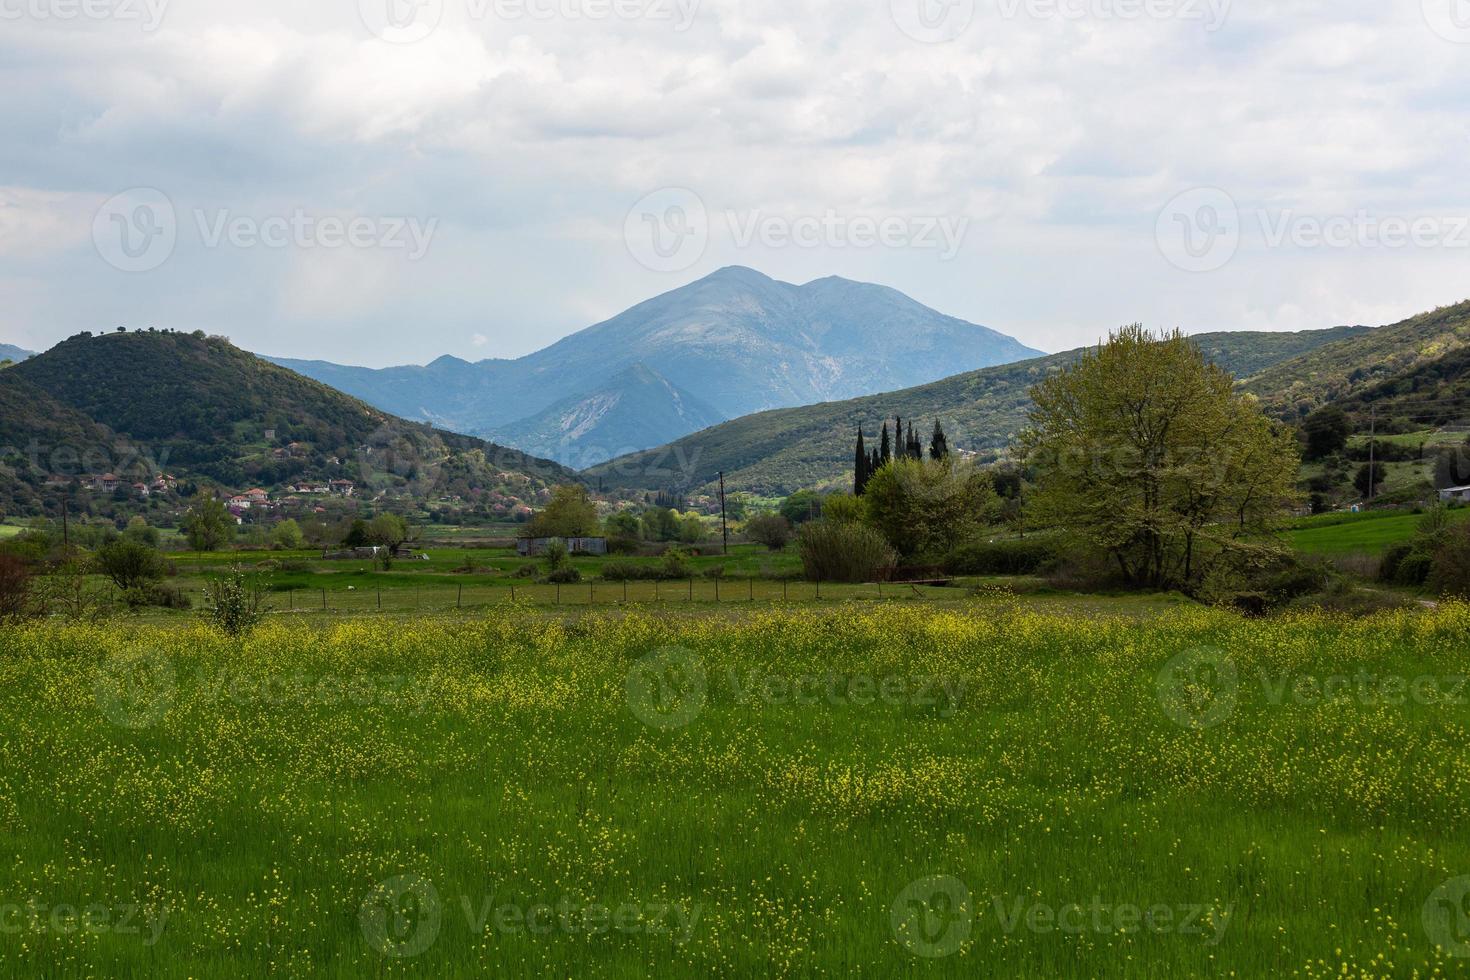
pixel 206 409
pixel 789 449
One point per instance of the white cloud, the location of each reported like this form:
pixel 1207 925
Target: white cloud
pixel 1060 138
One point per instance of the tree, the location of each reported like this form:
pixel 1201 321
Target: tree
pixel 1326 432
pixel 357 535
pixel 771 530
pixel 885 448
pixel 207 525
pixel 924 508
pixel 388 532
pixel 691 529
pixel 569 514
pixel 860 466
pixel 1369 479
pixel 801 506
pixel 130 564
pixel 1143 451
pixel 139 531
pixel 938 444
pixel 287 535
pixel 623 524
pixel 660 524
pixel 842 508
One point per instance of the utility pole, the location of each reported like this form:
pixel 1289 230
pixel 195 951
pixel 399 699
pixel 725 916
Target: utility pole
pixel 1372 451
pixel 724 525
pixel 65 530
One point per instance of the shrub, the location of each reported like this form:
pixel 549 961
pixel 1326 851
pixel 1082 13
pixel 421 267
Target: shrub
pixel 527 571
pixel 834 552
pixel 129 564
pixel 921 507
pixel 1450 572
pixel 566 575
pixel 1414 568
pixel 235 603
pixel 15 588
pixel 715 571
pixel 623 545
pixel 1018 557
pixel 771 530
pixel 153 594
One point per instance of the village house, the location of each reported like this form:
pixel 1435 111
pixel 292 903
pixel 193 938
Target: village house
pixel 342 488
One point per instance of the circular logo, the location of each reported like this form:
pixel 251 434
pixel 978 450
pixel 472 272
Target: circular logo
pixel 135 688
pixel 402 458
pixel 1447 917
pixel 401 21
pixel 1199 231
pixel 1197 688
pixel 933 917
pixel 668 230
pixel 400 918
pixel 933 21
pixel 666 689
pixel 1450 19
pixel 136 231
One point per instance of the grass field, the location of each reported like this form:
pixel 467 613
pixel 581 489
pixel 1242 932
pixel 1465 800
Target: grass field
pixel 1368 532
pixel 877 790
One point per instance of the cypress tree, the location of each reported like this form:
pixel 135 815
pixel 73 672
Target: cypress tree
pixel 885 448
pixel 938 445
pixel 860 467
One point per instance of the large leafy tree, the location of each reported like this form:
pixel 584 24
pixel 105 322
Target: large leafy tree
pixel 569 514
pixel 207 525
pixel 924 508
pixel 1144 450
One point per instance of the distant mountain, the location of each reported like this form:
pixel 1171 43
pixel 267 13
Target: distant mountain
pixel 636 409
pixel 9 352
pixel 732 343
pixel 202 409
pixel 791 449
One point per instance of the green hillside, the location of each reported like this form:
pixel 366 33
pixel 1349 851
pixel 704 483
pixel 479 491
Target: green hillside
pixel 788 449
pixel 1342 370
pixel 199 408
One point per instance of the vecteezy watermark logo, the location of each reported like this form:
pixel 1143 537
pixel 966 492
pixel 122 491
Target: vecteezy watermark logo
pixel 1450 19
pixel 400 918
pixel 148 13
pixel 135 688
pixel 933 21
pixel 401 21
pixel 36 918
pixel 136 231
pixel 1199 231
pixel 668 230
pixel 666 689
pixel 1213 13
pixel 1198 688
pixel 933 917
pixel 1447 917
pixel 944 234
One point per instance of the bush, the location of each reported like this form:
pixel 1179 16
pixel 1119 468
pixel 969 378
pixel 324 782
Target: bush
pixel 833 552
pixel 1018 557
pixel 527 571
pixel 566 575
pixel 235 603
pixel 1450 571
pixel 623 545
pixel 129 564
pixel 771 530
pixel 15 588
pixel 152 594
pixel 1414 569
pixel 627 571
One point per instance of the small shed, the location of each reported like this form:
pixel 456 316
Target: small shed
pixel 1455 493
pixel 533 547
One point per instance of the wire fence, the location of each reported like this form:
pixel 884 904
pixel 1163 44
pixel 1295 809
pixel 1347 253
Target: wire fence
pixel 688 592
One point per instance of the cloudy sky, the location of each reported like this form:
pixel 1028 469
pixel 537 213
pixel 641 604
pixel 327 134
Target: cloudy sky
pixel 386 181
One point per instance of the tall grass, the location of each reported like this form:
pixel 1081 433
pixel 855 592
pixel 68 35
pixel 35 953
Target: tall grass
pixel 358 800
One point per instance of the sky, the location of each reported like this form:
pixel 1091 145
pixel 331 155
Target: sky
pixel 385 181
